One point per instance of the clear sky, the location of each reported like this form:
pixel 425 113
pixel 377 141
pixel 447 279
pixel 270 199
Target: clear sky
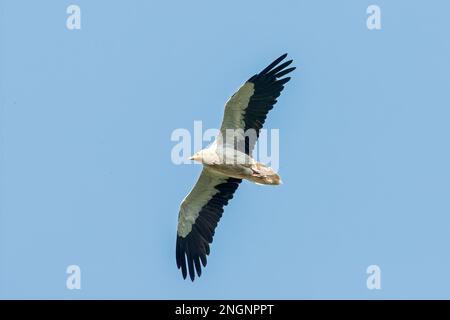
pixel 86 173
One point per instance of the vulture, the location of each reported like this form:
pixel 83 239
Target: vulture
pixel 226 162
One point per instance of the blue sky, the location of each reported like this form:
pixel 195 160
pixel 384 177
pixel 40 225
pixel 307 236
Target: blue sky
pixel 87 178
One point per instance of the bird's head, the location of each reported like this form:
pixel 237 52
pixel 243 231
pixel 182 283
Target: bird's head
pixel 197 156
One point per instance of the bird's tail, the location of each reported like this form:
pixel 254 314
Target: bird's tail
pixel 264 175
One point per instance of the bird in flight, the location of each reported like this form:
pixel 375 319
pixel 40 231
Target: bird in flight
pixel 225 163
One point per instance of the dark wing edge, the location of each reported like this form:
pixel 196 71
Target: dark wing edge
pixel 191 251
pixel 268 85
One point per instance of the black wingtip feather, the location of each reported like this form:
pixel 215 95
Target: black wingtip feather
pixel 285 72
pixel 273 64
pixel 283 81
pixel 181 257
pixel 274 71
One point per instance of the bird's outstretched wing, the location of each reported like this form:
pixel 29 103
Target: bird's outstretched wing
pixel 199 214
pixel 247 109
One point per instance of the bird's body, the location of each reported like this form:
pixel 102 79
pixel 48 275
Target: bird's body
pixel 226 163
pixel 231 162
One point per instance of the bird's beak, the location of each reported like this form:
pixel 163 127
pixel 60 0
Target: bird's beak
pixel 191 158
